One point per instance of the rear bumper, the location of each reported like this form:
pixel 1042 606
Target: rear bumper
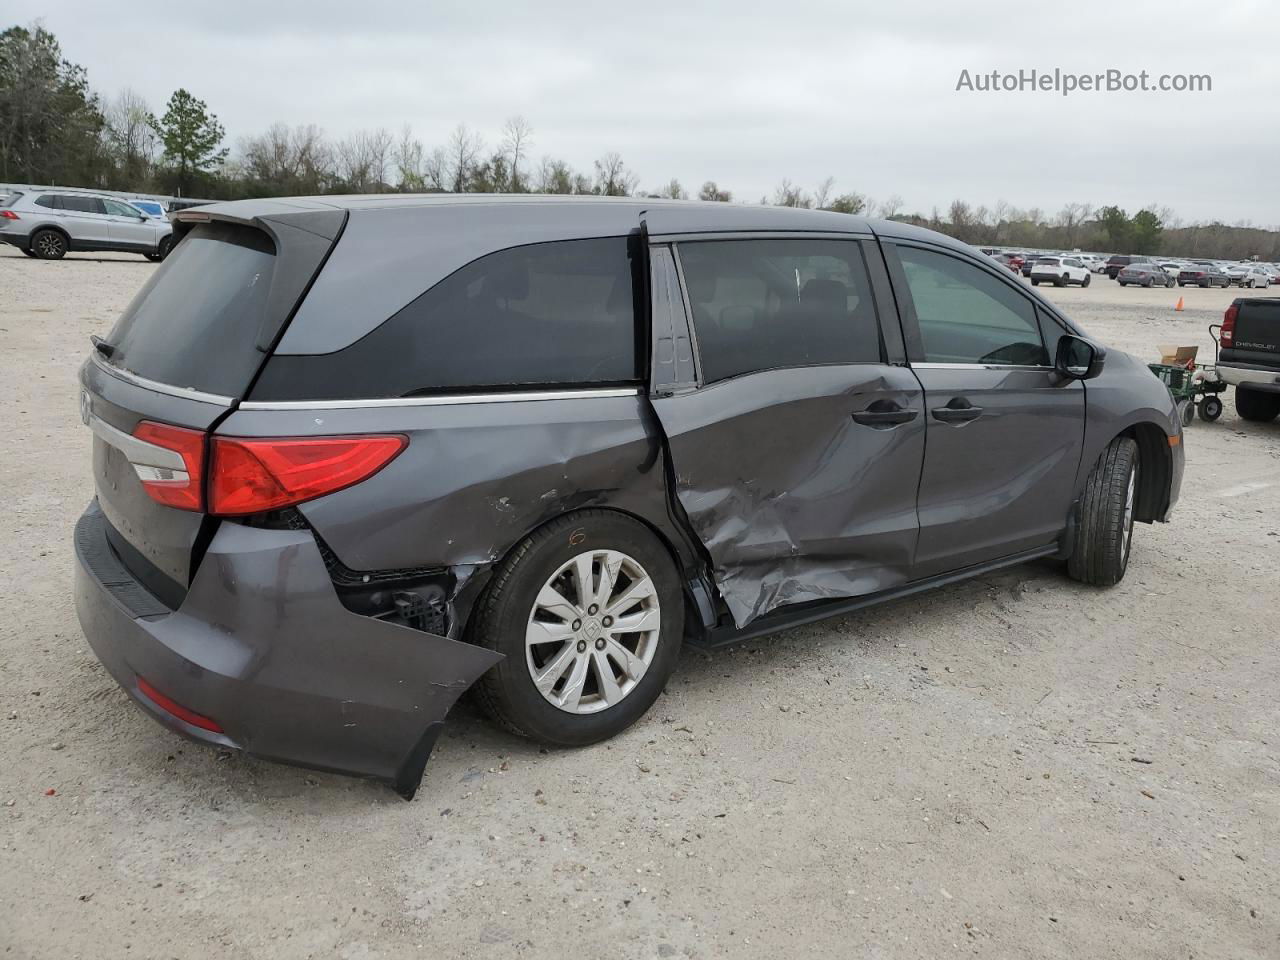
pixel 20 240
pixel 263 646
pixel 1254 376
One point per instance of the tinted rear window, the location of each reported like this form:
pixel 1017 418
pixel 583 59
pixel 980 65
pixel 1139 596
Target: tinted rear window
pixel 548 314
pixel 195 324
pixel 82 204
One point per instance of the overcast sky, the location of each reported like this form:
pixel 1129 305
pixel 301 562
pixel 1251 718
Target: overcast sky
pixel 745 93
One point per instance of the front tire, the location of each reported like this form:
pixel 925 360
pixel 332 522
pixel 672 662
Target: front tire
pixel 162 250
pixel 1256 405
pixel 1088 277
pixel 49 245
pixel 590 616
pixel 1104 532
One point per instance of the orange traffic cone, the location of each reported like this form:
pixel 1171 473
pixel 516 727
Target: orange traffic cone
pixel 1178 308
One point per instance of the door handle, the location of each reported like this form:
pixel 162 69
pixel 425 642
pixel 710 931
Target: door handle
pixel 884 413
pixel 957 410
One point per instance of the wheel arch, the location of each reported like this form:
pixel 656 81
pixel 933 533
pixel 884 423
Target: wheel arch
pixel 468 598
pixel 1155 470
pixel 56 228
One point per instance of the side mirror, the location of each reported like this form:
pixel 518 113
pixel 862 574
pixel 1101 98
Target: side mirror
pixel 1078 359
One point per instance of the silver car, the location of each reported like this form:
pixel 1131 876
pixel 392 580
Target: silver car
pixel 51 223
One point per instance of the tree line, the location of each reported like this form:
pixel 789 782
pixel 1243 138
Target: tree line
pixel 56 129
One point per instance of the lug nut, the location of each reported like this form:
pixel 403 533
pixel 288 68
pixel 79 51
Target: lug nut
pixel 577 625
pixel 592 609
pixel 608 621
pixel 582 646
pixel 600 644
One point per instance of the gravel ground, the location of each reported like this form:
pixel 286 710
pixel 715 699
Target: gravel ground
pixel 1018 766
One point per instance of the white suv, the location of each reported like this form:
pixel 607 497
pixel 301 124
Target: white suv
pixel 50 223
pixel 1060 271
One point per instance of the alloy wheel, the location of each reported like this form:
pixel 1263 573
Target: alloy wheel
pixel 50 245
pixel 593 632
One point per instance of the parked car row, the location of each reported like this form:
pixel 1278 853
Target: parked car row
pixel 1062 269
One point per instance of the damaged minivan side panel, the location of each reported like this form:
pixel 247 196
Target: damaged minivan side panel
pixel 798 472
pixel 479 474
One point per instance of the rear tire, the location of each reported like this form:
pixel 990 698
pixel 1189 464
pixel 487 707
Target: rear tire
pixel 1104 533
pixel 1035 283
pixel 29 253
pixel 513 610
pixel 1061 281
pixel 1256 405
pixel 49 244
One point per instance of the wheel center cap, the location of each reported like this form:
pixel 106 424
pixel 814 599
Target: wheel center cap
pixel 591 628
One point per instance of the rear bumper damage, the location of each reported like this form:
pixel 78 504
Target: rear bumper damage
pixel 262 646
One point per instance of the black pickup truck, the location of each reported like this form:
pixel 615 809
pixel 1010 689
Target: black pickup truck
pixel 1249 355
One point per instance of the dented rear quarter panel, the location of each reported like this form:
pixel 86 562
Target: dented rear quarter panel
pixel 477 478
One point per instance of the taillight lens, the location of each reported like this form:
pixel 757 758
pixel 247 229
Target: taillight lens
pixel 1227 335
pixel 174 488
pixel 250 475
pixel 9 215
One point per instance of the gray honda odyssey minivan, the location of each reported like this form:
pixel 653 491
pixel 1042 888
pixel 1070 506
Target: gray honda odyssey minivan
pixel 354 456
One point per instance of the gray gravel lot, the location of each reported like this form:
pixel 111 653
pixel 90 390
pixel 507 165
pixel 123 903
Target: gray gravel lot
pixel 1018 766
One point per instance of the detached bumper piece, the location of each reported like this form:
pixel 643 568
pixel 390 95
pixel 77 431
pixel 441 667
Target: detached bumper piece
pixel 262 657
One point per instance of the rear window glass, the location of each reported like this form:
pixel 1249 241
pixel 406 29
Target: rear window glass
pixel 82 204
pixel 195 323
pixel 1048 261
pixel 548 314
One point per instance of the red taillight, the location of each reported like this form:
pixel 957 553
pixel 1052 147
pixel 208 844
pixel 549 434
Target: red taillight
pixel 1228 333
pixel 249 475
pixel 173 487
pixel 176 709
pixel 9 215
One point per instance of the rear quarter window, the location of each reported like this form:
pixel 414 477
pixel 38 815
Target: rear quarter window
pixel 195 323
pixel 558 314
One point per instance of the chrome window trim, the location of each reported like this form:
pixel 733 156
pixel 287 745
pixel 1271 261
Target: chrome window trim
pixel 939 365
pixel 143 455
pixel 166 388
pixel 444 400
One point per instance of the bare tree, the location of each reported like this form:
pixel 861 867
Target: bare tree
pixel 890 208
pixel 822 193
pixel 613 179
pixel 1069 218
pixel 130 137
pixel 673 191
pixel 364 159
pixel 287 162
pixel 789 195
pixel 463 153
pixel 410 161
pixel 554 176
pixel 517 137
pixel 711 191
pixel 435 170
